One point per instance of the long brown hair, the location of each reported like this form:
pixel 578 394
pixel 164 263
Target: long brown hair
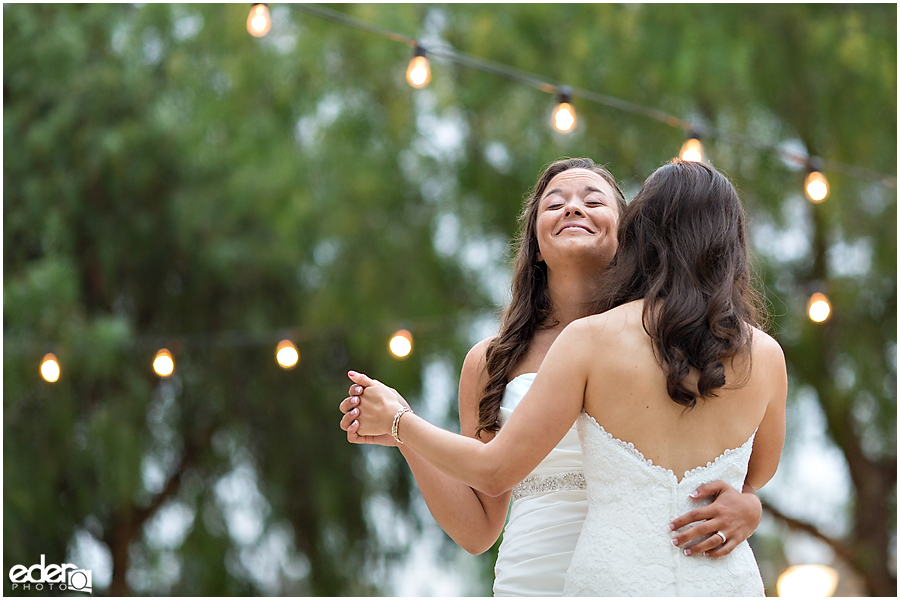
pixel 529 309
pixel 683 250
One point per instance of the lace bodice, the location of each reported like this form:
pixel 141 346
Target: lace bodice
pixel 626 549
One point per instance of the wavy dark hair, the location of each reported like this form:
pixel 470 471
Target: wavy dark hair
pixel 529 310
pixel 683 250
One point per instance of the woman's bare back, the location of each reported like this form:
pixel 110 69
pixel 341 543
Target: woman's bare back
pixel 626 393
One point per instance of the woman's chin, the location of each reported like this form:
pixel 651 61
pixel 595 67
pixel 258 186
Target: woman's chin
pixel 580 251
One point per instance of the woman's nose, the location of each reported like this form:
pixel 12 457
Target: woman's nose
pixel 570 209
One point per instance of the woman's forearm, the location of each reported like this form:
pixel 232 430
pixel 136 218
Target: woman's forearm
pixel 464 459
pixel 472 520
pixel 531 432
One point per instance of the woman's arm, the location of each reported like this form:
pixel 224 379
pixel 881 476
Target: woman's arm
pixel 534 428
pixel 769 440
pixel 737 515
pixel 472 519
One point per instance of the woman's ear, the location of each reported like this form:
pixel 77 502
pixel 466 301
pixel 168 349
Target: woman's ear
pixel 539 257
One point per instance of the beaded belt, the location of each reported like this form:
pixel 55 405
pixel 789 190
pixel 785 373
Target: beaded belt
pixel 558 482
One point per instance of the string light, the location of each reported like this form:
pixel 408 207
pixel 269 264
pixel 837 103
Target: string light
pixel 692 149
pixel 808 581
pixel 537 82
pixel 50 368
pixel 401 344
pixel 418 74
pixel 818 307
pixel 259 21
pixel 563 120
pixel 163 363
pixel 179 344
pixel 816 186
pixel 564 114
pixel 286 355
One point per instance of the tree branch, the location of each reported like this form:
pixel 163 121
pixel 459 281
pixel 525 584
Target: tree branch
pixel 188 457
pixel 840 548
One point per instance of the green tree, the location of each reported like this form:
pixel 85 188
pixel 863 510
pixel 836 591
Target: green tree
pixel 156 194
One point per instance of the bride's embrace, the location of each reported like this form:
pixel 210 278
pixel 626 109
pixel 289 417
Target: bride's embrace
pixel 672 386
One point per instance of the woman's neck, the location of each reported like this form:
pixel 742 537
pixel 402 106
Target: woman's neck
pixel 571 293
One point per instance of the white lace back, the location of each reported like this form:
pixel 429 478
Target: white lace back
pixel 739 462
pixel 625 547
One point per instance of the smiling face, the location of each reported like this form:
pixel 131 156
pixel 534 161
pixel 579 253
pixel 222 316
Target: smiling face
pixel 577 219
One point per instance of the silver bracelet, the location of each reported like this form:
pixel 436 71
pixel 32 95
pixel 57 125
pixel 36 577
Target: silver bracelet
pixel 396 426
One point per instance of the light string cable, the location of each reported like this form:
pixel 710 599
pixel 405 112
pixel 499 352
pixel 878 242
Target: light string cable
pixel 26 347
pixel 444 51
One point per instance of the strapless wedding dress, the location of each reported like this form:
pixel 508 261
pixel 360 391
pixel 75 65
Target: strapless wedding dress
pixel 625 547
pixel 546 516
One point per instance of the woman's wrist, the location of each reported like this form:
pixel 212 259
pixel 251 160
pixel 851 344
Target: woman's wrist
pixel 395 426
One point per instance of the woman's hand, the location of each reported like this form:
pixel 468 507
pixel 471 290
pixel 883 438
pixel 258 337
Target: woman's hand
pixel 351 425
pixel 736 515
pixel 375 407
pixel 349 406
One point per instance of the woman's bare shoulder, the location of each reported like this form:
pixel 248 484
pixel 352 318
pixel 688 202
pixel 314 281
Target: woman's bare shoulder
pixel 766 348
pixel 472 382
pixel 475 358
pixel 474 372
pixel 615 321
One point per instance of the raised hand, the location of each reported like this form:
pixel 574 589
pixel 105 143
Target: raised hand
pixel 734 514
pixel 375 408
pixel 349 423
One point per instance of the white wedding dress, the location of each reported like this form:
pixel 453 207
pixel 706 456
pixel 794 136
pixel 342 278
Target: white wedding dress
pixel 622 546
pixel 547 513
pixel 625 547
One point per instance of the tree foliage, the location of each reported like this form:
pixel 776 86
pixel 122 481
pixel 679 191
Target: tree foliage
pixel 170 180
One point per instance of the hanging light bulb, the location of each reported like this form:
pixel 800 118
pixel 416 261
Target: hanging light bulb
pixel 259 22
pixel 564 114
pixel 692 149
pixel 808 581
pixel 401 344
pixel 50 368
pixel 816 186
pixel 163 363
pixel 818 307
pixel 418 74
pixel 286 355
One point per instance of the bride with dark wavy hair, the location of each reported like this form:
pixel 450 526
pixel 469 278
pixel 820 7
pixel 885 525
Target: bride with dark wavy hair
pixel 671 387
pixel 566 240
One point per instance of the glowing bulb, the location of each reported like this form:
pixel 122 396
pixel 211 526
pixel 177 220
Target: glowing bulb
pixel 259 22
pixel 563 115
pixel 401 344
pixel 50 368
pixel 563 119
pixel 816 186
pixel 808 581
pixel 286 354
pixel 818 308
pixel 163 363
pixel 418 74
pixel 692 150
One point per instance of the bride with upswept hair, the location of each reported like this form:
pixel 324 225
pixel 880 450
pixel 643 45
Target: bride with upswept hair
pixel 568 236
